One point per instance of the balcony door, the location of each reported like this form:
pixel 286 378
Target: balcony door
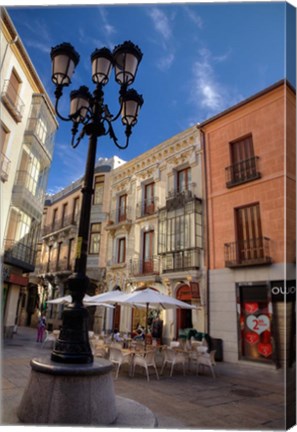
pixel 183 180
pixel 122 214
pixel 242 159
pixel 249 233
pixel 149 205
pixel 13 87
pixel 148 245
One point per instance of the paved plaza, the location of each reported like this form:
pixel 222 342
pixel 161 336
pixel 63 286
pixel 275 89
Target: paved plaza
pixel 242 396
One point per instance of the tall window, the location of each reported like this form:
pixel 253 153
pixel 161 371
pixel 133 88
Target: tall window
pixel 13 87
pixel 54 219
pixel 4 161
pixel 249 232
pixel 4 135
pixel 64 213
pixel 19 225
pixel 98 190
pixel 58 266
pixel 241 150
pixel 122 211
pixel 75 209
pixel 149 198
pixel 183 180
pixel 41 130
pixel 148 247
pixel 70 254
pixel 29 171
pixel 95 235
pixel 244 164
pixel 121 253
pixel 49 257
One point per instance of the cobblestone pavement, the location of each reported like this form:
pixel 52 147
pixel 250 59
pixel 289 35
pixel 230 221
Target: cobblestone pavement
pixel 242 396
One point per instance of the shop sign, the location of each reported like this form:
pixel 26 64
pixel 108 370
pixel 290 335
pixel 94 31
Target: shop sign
pixel 281 292
pixel 18 280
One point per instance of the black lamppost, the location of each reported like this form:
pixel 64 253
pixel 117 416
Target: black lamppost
pixel 90 114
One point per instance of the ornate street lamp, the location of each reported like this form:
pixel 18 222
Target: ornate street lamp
pixel 90 114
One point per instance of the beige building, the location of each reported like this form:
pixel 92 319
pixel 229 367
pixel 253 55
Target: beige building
pixel 56 258
pixel 155 232
pixel 28 127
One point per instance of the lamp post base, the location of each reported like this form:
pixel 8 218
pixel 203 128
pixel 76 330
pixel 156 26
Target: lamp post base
pixel 68 394
pixel 65 394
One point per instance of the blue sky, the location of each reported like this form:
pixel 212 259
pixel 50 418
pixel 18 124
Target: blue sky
pixel 198 59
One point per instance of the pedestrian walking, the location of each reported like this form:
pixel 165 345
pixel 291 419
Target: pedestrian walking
pixel 41 328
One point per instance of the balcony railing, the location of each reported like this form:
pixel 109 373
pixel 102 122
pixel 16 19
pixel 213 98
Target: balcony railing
pixel 54 267
pixel 178 198
pixel 58 225
pixel 242 172
pixel 254 251
pixel 122 215
pixel 142 267
pixel 19 254
pixel 4 167
pixel 12 101
pixel 180 260
pixel 147 207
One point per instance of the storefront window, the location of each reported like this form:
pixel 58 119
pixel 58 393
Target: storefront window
pixel 255 317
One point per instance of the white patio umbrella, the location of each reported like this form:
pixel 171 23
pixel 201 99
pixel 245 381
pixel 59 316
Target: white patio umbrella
pixel 107 297
pixel 152 298
pixel 86 300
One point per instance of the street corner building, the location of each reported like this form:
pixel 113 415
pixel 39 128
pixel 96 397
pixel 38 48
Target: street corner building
pixel 28 128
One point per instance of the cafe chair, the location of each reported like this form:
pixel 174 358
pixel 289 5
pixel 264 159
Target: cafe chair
pixel 98 348
pixel 118 358
pixel 50 337
pixel 173 358
pixel 207 360
pixel 145 361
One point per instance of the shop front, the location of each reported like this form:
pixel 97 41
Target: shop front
pixel 256 327
pixel 267 322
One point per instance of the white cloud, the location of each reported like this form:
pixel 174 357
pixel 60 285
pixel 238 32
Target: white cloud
pixel 197 20
pixel 161 22
pixel 165 62
pixel 205 86
pixel 162 26
pixel 108 28
pixel 44 47
pixel 209 93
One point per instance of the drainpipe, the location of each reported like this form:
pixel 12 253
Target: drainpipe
pixel 202 136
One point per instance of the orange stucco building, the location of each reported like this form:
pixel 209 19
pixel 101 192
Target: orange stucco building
pixel 250 172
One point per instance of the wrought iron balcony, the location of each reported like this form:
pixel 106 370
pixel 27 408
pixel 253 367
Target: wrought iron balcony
pixel 180 260
pixel 255 251
pixel 242 172
pixel 59 224
pixel 120 216
pixel 4 167
pixel 12 101
pixel 19 254
pixel 178 198
pixel 55 267
pixel 142 267
pixel 147 207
